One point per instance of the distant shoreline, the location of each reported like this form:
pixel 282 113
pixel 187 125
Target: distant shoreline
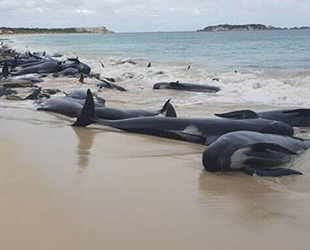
pixel 4 31
pixel 247 27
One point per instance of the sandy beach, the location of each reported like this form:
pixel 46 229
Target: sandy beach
pixel 94 188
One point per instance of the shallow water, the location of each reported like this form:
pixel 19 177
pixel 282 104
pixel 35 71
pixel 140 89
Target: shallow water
pixel 272 66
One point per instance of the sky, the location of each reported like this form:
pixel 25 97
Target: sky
pixel 152 15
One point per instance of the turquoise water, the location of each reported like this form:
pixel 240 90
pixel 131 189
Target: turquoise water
pixel 216 50
pixel 261 67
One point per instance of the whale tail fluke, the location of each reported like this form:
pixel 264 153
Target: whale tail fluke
pixel 168 110
pixel 87 115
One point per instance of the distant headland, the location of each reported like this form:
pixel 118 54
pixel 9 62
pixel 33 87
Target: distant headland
pixel 28 31
pixel 247 27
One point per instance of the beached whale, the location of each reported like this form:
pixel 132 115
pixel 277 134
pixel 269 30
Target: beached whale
pixel 73 104
pixel 45 67
pixel 81 95
pixel 256 153
pixel 110 85
pixel 29 63
pixel 61 105
pixel 203 131
pixel 117 114
pixel 293 117
pixel 6 91
pixel 77 64
pixel 67 72
pixel 33 62
pixel 186 87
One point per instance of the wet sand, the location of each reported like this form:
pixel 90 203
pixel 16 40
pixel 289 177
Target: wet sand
pixel 73 188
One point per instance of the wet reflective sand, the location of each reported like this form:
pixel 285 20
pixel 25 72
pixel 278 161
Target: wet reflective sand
pixel 74 188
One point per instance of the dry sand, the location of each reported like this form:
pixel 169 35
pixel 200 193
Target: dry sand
pixel 71 188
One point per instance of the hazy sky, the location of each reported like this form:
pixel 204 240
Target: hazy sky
pixel 152 15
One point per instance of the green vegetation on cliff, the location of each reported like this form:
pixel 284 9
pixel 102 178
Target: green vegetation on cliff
pixel 8 31
pixel 245 27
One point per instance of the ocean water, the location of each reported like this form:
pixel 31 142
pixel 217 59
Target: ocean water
pixel 264 67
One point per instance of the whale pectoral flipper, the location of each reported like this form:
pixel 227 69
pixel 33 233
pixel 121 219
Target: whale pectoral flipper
pixel 87 115
pixel 34 95
pixel 272 146
pixel 238 115
pixel 168 110
pixel 271 172
pixel 100 100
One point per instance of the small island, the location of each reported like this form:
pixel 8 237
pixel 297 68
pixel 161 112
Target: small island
pixel 246 27
pixel 27 31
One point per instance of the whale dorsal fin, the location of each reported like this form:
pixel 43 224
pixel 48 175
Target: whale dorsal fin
pixel 168 110
pixel 87 114
pixel 238 115
pixel 74 59
pixel 177 84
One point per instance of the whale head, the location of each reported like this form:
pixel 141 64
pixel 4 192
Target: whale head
pixel 217 156
pixel 281 128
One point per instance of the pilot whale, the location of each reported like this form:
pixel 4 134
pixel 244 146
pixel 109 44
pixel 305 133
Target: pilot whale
pixel 186 87
pixel 72 104
pixel 256 153
pixel 293 117
pixel 203 131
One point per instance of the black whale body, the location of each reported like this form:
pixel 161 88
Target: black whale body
pixel 293 117
pixel 256 153
pixel 186 87
pixel 72 104
pixel 203 131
